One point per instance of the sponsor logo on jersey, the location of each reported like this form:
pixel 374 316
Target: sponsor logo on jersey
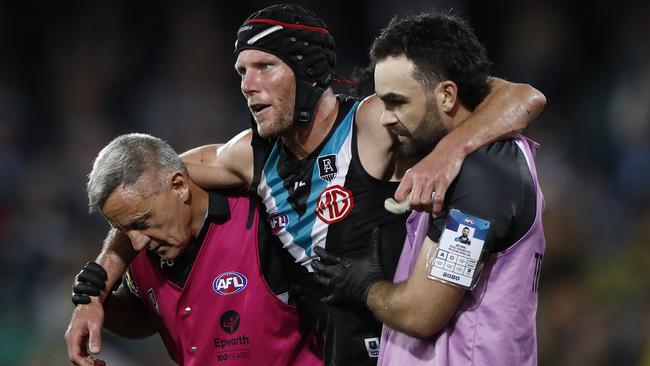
pixel 227 342
pixel 154 302
pixel 224 345
pixel 236 348
pixel 469 221
pixel 334 204
pixel 229 321
pixel 278 221
pixel 229 283
pixel 372 346
pixel 327 167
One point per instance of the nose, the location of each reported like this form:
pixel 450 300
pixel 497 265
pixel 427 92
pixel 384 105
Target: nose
pixel 139 240
pixel 249 83
pixel 388 118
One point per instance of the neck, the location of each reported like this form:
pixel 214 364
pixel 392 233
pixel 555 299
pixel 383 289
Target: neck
pixel 199 206
pixel 456 117
pixel 303 140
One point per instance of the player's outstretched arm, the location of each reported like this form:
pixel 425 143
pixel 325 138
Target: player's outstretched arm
pixel 506 111
pixel 222 165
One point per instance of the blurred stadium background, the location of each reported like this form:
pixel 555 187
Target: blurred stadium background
pixel 75 74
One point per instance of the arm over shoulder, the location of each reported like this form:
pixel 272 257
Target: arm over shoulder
pixel 222 166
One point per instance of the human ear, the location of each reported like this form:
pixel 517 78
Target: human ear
pixel 448 92
pixel 180 185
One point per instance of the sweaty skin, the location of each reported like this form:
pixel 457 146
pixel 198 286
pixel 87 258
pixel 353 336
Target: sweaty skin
pixel 506 111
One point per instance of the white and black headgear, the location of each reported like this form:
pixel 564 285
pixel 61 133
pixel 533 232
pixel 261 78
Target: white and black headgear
pixel 302 41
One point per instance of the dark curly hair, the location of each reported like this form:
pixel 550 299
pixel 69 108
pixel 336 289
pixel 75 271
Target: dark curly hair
pixel 441 47
pixel 363 80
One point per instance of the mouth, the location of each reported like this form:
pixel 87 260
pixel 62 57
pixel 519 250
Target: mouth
pixel 401 136
pixel 258 108
pixel 162 252
pixel 397 132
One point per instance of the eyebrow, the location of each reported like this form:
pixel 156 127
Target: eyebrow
pixel 266 61
pixel 138 220
pixel 393 97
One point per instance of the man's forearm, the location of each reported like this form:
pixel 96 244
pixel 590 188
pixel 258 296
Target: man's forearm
pixel 504 113
pixel 388 303
pixel 420 306
pixel 115 257
pixel 417 311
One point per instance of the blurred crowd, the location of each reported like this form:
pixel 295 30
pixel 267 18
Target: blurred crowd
pixel 73 75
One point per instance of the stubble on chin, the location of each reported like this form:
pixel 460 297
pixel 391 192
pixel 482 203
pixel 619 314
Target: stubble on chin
pixel 276 128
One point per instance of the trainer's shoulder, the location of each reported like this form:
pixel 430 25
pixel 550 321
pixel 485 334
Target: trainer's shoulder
pixel 501 161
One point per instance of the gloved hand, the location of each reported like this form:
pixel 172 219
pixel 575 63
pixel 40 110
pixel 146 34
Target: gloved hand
pixel 89 282
pixel 347 279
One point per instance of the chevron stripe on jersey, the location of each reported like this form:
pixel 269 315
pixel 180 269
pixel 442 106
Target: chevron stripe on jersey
pixel 300 231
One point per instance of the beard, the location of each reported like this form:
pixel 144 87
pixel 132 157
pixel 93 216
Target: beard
pixel 277 125
pixel 426 135
pixel 280 120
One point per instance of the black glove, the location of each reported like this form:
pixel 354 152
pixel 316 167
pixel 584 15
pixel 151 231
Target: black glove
pixel 349 280
pixel 89 282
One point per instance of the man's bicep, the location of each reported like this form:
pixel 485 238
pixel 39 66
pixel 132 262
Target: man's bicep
pixel 202 154
pixel 222 166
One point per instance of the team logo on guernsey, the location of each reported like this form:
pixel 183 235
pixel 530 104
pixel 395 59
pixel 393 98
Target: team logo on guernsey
pixel 334 204
pixel 327 167
pixel 278 221
pixel 229 283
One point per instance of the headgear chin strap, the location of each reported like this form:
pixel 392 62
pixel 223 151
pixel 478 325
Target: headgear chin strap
pixel 301 40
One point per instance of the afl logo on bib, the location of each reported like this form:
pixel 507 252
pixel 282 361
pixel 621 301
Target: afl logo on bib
pixel 229 283
pixel 334 204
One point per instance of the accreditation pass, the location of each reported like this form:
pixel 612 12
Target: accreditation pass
pixel 459 251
